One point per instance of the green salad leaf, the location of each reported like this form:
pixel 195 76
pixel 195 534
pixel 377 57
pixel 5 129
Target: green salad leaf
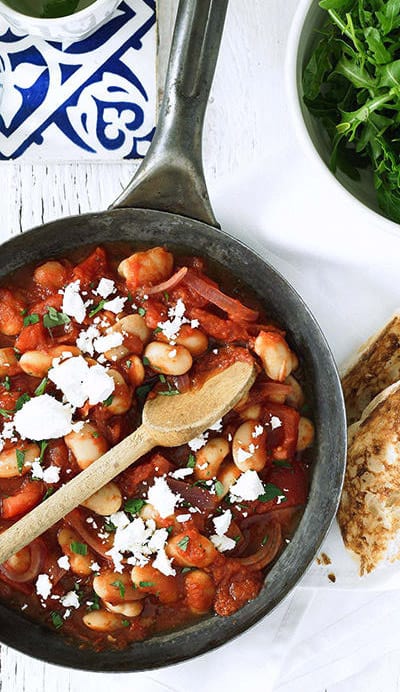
pixel 351 83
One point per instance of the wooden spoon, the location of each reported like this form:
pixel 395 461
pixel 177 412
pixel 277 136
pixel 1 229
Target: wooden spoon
pixel 167 420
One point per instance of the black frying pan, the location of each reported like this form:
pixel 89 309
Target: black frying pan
pixel 167 203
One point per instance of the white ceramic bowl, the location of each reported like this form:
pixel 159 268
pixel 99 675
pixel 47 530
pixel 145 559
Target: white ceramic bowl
pixel 72 27
pixel 302 38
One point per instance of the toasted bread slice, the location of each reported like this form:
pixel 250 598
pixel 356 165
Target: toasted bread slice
pixel 374 367
pixel 369 512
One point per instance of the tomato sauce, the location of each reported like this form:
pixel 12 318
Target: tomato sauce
pixel 210 552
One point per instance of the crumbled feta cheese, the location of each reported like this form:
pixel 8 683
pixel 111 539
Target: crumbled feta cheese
pixel 49 475
pixel 194 324
pixel 163 564
pixel 116 305
pixel 78 382
pixel 247 487
pixel 181 518
pixel 223 543
pixel 162 498
pixel 242 455
pixel 105 343
pixel 170 328
pixel 222 522
pixel 43 418
pixel 95 567
pixel 105 287
pixel 258 430
pixel 43 586
pixel 63 562
pixel 77 427
pixel 85 339
pixel 198 442
pixel 67 614
pixel 181 473
pixel 73 304
pixel 132 538
pixel 158 540
pixel 70 600
pixel 217 426
pixel 275 422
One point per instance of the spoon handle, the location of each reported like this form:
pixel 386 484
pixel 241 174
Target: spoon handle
pixel 75 492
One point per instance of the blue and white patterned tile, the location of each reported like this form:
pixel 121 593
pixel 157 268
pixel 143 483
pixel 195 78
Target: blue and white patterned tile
pixel 91 100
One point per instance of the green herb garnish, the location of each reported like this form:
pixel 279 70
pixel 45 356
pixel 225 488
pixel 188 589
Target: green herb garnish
pixel 143 584
pixel 53 318
pixel 125 623
pixel 21 401
pixel 98 307
pixel 48 492
pixel 191 462
pixel 219 488
pixel 282 463
pixel 79 548
pixel 20 454
pixel 40 389
pixel 120 586
pixel 141 311
pixel 145 361
pixel 56 620
pixel 95 605
pixel 7 383
pixel 134 506
pixel 265 539
pixel 31 319
pixel 183 543
pixel 109 400
pixel 43 446
pixel 271 492
pixel 109 526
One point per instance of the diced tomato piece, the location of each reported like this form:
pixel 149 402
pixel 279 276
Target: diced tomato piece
pixel 238 586
pixel 11 312
pixel 218 328
pixel 27 497
pixel 53 301
pixel 32 337
pixel 282 438
pixel 92 268
pixel 133 480
pixel 155 312
pixel 294 485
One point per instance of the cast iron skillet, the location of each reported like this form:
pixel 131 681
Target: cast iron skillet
pixel 174 210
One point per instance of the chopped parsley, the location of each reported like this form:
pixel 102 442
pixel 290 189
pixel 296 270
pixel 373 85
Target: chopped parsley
pixel 145 360
pixel 282 463
pixel 125 623
pixel 120 586
pixel 265 539
pixel 191 462
pixel 109 400
pixel 166 296
pixel 20 459
pixel 53 318
pixel 31 319
pixel 7 383
pixel 219 488
pixel 169 392
pixel 48 492
pixel 271 492
pixel 21 401
pixel 142 391
pixel 43 446
pixel 78 548
pixel 143 584
pixel 40 389
pixel 183 543
pixel 56 620
pixel 5 413
pixel 95 604
pixel 109 526
pixel 98 307
pixel 128 364
pixel 134 506
pixel 141 311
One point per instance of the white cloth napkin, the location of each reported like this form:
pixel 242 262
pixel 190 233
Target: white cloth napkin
pixel 93 100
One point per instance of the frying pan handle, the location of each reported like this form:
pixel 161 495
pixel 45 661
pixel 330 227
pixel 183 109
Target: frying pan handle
pixel 171 177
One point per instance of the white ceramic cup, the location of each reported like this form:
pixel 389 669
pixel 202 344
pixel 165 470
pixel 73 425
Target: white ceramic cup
pixel 73 26
pixel 302 37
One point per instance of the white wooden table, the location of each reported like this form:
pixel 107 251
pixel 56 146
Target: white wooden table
pixel 248 135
